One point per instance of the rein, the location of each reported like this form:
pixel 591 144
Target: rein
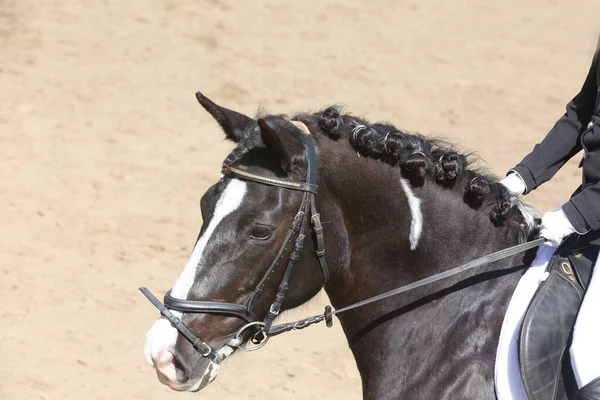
pixel 479 262
pixel 263 330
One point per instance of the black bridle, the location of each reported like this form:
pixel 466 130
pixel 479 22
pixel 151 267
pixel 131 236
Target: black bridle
pixel 294 242
pixel 263 330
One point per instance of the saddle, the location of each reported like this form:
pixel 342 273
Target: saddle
pixel 545 336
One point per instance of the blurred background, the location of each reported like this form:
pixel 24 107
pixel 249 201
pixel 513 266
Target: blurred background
pixel 104 154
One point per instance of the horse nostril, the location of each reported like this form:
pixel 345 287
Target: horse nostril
pixel 163 358
pixel 164 362
pixel 180 371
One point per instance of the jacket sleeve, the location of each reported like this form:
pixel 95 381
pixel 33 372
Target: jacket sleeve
pixel 583 210
pixel 562 142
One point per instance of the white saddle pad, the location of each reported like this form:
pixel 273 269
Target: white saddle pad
pixel 509 385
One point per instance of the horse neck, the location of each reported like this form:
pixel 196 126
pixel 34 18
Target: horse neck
pixel 400 343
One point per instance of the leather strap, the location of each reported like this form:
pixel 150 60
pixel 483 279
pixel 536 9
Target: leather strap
pixel 302 187
pixel 209 307
pixel 201 346
pixel 315 217
pixel 275 308
pixel 591 391
pixel 320 245
pixel 499 255
pixel 283 250
pixel 479 262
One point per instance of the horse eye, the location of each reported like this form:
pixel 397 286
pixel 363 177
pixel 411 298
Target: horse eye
pixel 261 232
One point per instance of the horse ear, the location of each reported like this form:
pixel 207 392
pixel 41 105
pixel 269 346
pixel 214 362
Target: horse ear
pixel 232 122
pixel 287 147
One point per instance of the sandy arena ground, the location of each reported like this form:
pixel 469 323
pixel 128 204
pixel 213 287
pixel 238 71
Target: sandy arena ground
pixel 105 154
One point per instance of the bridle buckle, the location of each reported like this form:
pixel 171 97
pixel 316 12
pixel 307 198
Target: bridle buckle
pixel 202 347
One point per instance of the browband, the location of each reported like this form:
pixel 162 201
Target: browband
pixel 300 186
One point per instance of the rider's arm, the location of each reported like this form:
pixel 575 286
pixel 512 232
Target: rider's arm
pixel 562 142
pixel 583 210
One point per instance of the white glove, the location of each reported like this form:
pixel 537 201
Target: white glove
pixel 514 184
pixel 555 227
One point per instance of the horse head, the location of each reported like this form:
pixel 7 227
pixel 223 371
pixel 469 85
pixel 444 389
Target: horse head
pixel 245 224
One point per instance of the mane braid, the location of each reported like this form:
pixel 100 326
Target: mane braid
pixel 421 158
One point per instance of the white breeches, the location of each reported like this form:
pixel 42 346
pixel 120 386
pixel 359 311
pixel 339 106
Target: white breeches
pixel 585 349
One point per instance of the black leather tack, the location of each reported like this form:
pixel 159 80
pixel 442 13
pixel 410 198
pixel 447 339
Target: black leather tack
pixel 591 391
pixel 545 336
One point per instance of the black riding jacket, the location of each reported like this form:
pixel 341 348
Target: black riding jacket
pixel 578 129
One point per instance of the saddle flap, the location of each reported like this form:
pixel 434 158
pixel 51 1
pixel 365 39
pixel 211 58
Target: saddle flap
pixel 548 323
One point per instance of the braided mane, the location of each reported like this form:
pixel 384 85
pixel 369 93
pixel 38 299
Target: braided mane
pixel 420 158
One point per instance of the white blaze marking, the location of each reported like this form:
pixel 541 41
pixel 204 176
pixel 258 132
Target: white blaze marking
pixel 416 223
pixel 162 335
pixel 230 200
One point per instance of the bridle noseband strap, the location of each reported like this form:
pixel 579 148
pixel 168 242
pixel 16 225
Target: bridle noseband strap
pixel 209 307
pixel 198 344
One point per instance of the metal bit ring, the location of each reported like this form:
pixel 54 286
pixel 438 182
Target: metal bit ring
pixel 259 342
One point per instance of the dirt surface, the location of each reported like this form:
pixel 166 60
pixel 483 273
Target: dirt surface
pixel 105 154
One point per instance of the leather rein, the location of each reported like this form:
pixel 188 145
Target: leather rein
pixel 265 329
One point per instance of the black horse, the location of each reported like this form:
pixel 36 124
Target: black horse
pixel 396 207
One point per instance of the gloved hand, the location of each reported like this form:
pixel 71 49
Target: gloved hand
pixel 555 227
pixel 514 184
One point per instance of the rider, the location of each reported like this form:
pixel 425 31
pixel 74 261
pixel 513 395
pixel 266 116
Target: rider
pixel 578 129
